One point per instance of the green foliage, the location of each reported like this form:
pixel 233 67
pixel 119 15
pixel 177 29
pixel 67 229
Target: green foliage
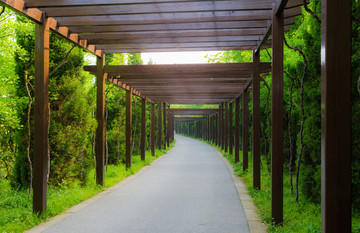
pixel 71 103
pixel 10 104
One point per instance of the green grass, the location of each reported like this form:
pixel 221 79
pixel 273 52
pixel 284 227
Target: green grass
pixel 16 209
pixel 299 217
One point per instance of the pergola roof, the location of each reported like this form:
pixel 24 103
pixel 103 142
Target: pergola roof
pixel 184 84
pixel 119 26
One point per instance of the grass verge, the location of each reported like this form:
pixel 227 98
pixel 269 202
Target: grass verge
pixel 302 217
pixel 16 209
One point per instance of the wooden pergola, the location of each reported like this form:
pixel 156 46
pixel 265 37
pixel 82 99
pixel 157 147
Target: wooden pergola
pixel 121 26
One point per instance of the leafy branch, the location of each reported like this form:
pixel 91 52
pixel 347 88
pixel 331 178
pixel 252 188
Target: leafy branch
pixel 302 117
pixel 2 11
pixel 311 12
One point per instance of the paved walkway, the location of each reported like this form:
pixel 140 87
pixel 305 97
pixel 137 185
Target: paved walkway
pixel 189 190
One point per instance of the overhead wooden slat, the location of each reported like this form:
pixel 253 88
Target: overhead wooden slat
pixel 64 3
pixel 164 93
pixel 179 68
pixel 95 14
pixel 183 80
pixel 175 49
pixel 193 111
pixel 176 40
pixel 173 34
pixel 49 3
pixel 179 45
pixel 169 27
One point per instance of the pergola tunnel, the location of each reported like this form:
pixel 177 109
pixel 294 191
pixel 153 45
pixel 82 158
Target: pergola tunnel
pixel 114 26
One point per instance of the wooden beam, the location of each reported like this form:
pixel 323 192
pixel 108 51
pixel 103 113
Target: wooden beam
pixel 192 111
pixel 256 121
pixel 245 126
pixel 336 116
pixel 237 129
pixel 128 156
pixel 219 69
pixel 41 112
pixel 143 129
pixel 152 134
pixel 277 119
pixel 172 34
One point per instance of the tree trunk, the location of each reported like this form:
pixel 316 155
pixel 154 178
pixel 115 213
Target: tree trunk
pixel 29 132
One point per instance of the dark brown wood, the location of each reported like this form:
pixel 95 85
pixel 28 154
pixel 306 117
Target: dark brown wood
pixel 143 129
pixel 180 69
pixel 226 127
pixel 103 41
pixel 41 136
pixel 168 126
pixel 159 127
pixel 237 130
pixel 100 132
pixel 152 133
pixel 256 121
pixel 128 129
pixel 277 119
pixel 191 111
pixel 336 116
pixel 221 126
pixel 245 125
pixel 231 138
pixel 165 125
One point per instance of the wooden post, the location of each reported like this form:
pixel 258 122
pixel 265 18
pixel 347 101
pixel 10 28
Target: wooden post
pixel 231 139
pixel 165 131
pixel 217 129
pixel 152 133
pixel 41 136
pixel 256 120
pixel 128 128
pixel 143 129
pixel 159 126
pixel 100 132
pixel 336 116
pixel 226 127
pixel 221 123
pixel 245 125
pixel 277 118
pixel 168 127
pixel 237 129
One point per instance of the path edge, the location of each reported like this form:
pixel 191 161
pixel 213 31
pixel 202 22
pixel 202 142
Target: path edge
pixel 253 219
pixel 76 208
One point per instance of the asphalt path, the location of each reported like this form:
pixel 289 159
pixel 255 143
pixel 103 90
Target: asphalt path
pixel 189 190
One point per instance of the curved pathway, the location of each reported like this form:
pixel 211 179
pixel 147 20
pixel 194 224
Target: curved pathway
pixel 188 190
